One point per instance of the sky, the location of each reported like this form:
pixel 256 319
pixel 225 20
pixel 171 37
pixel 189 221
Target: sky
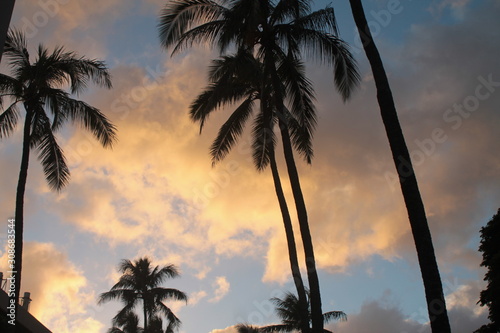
pixel 156 194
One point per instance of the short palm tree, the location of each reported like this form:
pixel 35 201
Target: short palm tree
pixel 37 87
pixel 140 282
pixel 292 320
pixel 436 303
pixel 279 34
pixel 288 309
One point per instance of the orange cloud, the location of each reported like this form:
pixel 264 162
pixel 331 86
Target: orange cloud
pixel 58 289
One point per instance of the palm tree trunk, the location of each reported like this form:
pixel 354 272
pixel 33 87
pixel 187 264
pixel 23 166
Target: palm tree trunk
pixel 19 216
pixel 312 273
pixel 416 212
pixel 292 249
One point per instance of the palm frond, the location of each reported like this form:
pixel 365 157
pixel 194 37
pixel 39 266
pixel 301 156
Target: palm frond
pixel 334 52
pixel 300 92
pixel 245 328
pixel 231 130
pixel 281 328
pixel 177 17
pixel 16 49
pixel 320 20
pixel 301 138
pixel 213 97
pixel 8 120
pixel 80 70
pixel 334 315
pixel 163 294
pixel 124 295
pixel 203 34
pixel 123 315
pixel 173 320
pixel 169 271
pixel 287 10
pixel 264 138
pixel 9 87
pixel 90 118
pixel 50 154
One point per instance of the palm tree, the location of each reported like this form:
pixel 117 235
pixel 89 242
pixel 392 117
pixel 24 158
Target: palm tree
pixel 241 77
pixel 292 320
pixel 416 212
pixel 140 281
pixel 277 33
pixel 37 86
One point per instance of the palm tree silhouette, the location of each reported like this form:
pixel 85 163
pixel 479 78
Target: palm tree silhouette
pixel 37 86
pixel 436 304
pixel 241 77
pixel 292 319
pixel 141 281
pixel 276 33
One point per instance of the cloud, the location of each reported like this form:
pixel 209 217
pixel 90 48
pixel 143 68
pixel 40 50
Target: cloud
pixel 156 186
pixel 221 288
pixel 375 316
pixel 385 315
pixel 354 201
pixel 230 329
pixel 457 7
pixel 196 297
pixel 59 290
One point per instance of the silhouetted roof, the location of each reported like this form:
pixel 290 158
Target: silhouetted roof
pixel 26 323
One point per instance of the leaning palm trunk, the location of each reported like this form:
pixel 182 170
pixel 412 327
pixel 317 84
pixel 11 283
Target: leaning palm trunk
pixel 292 249
pixel 420 229
pixel 305 233
pixel 19 214
pixel 312 273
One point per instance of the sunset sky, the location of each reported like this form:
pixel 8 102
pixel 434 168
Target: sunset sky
pixel 156 194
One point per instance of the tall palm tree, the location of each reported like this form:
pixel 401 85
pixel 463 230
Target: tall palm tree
pixel 277 33
pixel 241 77
pixel 416 212
pixel 37 86
pixel 140 282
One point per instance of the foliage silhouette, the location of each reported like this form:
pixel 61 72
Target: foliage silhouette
pixel 130 324
pixel 279 35
pixel 37 86
pixel 490 247
pixel 292 319
pixel 240 77
pixel 141 281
